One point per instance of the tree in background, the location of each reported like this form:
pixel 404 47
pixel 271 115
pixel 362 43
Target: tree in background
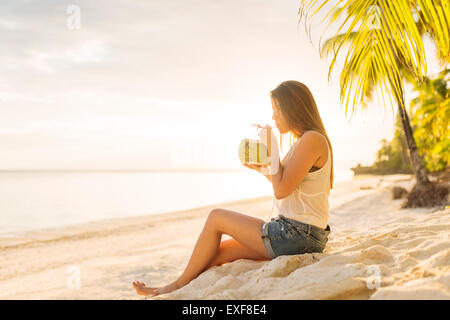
pixel 392 157
pixel 431 119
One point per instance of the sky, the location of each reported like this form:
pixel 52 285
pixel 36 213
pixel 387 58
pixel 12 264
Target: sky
pixel 160 84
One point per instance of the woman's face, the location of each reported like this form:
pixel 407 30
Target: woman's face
pixel 280 120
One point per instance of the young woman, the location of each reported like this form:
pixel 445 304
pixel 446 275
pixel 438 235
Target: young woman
pixel 301 185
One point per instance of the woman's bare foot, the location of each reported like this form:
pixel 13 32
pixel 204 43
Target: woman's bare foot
pixel 142 290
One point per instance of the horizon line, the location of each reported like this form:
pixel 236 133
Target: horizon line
pixel 122 170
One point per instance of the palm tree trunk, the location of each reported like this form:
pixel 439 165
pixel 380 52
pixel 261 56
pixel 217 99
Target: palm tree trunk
pixel 416 160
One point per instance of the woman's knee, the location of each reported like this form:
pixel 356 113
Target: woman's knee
pixel 214 217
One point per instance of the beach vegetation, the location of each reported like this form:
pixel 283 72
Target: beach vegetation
pixel 384 46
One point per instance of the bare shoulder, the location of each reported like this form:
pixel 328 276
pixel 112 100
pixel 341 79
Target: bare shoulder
pixel 314 138
pixel 315 142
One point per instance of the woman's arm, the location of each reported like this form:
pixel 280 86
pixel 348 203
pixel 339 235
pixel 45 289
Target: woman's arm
pixel 306 152
pixel 268 177
pixel 276 180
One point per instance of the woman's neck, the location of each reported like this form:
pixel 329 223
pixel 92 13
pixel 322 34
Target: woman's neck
pixel 297 134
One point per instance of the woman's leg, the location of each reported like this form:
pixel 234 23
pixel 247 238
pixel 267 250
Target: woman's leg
pixel 231 250
pixel 243 228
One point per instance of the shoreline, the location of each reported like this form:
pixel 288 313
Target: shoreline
pixel 100 226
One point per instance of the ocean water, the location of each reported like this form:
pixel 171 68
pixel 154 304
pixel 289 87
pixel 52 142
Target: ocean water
pixel 33 200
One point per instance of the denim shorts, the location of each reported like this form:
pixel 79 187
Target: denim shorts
pixel 284 236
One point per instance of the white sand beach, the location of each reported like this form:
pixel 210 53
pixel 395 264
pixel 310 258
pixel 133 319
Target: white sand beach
pixel 375 251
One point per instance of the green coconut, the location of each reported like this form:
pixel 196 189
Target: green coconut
pixel 253 151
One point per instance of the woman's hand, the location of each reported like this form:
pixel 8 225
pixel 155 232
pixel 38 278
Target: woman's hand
pixel 255 166
pixel 270 140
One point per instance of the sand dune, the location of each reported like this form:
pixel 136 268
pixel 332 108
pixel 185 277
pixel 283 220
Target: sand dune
pixel 375 251
pixel 408 258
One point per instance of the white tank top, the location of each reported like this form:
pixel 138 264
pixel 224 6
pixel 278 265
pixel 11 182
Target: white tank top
pixel 308 203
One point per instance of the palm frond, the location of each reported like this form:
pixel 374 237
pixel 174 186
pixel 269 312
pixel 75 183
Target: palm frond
pixel 331 44
pixel 435 16
pixel 382 37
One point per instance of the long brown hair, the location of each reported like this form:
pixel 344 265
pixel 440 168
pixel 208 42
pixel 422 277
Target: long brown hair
pixel 298 107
